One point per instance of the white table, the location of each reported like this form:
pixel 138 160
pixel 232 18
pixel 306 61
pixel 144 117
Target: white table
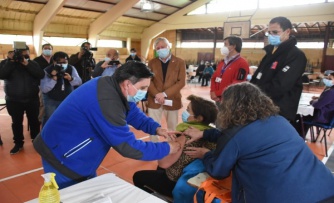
pixel 108 184
pixel 304 107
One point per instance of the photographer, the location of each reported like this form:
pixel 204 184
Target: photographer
pixel 108 66
pixel 22 77
pixel 10 56
pixel 83 61
pixel 58 82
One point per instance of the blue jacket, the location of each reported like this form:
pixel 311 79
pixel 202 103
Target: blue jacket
pixel 270 163
pixel 93 118
pixel 324 106
pixel 208 70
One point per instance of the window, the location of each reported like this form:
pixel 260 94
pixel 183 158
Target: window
pixel 109 43
pixel 282 3
pixel 310 45
pixel 219 6
pixel 9 39
pixel 200 45
pixel 63 41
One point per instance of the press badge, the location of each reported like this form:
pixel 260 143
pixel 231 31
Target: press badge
pixel 259 75
pixel 218 79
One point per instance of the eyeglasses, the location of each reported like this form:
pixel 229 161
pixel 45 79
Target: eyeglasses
pixel 274 32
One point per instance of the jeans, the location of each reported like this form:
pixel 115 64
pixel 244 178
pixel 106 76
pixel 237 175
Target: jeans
pixel 16 111
pixel 50 105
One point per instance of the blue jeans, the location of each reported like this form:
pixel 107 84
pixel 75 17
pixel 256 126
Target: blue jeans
pixel 50 105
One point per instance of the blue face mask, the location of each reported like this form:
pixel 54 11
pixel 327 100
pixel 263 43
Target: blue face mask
pixel 140 95
pixel 185 116
pixel 47 52
pixel 249 77
pixel 274 40
pixel 107 59
pixel 163 53
pixel 133 54
pixel 328 83
pixel 64 65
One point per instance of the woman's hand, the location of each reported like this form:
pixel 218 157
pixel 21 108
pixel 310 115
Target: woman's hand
pixel 170 136
pixel 196 152
pixel 193 133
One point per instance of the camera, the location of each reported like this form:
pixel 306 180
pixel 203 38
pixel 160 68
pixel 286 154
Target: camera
pixel 114 63
pixel 19 47
pixel 87 52
pixel 60 71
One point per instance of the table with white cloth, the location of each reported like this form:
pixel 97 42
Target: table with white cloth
pixel 305 108
pixel 107 185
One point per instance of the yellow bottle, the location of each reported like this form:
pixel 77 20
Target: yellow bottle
pixel 49 192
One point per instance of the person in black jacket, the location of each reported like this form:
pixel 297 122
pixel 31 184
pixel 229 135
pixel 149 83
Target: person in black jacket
pixel 10 55
pixel 133 56
pixel 44 60
pixel 22 77
pixel 83 61
pixel 280 71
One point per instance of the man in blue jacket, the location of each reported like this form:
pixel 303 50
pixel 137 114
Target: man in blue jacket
pixel 94 118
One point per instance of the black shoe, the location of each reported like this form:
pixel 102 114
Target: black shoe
pixel 16 149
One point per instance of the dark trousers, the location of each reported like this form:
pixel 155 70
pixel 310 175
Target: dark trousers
pixel 200 77
pixel 206 79
pixel 157 180
pixel 16 111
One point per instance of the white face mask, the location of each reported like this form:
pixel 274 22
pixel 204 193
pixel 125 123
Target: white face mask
pixel 224 51
pixel 107 59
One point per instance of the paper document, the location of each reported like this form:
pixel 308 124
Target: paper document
pixel 168 102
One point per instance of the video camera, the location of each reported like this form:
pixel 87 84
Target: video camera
pixel 18 48
pixel 88 53
pixel 87 58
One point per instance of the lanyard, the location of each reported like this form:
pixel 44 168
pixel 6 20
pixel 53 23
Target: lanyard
pixel 228 64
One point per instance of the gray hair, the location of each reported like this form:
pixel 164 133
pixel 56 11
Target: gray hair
pixel 161 39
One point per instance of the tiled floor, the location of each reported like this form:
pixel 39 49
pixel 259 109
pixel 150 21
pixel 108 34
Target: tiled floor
pixel 20 178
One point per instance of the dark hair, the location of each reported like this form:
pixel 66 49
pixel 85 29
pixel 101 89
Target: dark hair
pixel 133 49
pixel 133 71
pixel 332 74
pixel 244 103
pixel 60 55
pixel 282 21
pixel 83 44
pixel 235 40
pixel 205 108
pixel 10 52
pixel 48 44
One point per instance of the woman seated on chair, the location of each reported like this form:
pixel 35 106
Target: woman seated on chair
pixel 199 114
pixel 269 161
pixel 323 105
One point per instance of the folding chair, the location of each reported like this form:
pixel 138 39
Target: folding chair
pixel 192 76
pixel 321 127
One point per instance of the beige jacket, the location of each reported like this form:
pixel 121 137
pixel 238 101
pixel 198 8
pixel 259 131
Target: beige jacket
pixel 175 80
